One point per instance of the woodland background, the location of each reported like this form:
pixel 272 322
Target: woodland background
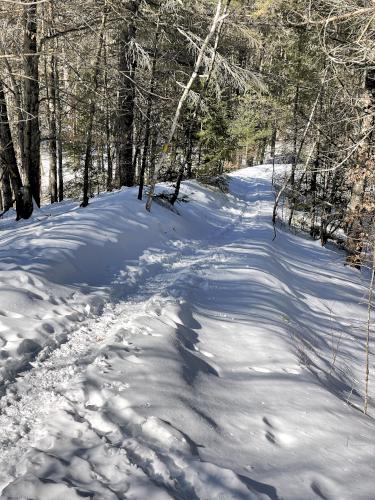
pixel 125 92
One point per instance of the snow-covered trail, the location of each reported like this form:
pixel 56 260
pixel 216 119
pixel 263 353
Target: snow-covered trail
pixel 208 375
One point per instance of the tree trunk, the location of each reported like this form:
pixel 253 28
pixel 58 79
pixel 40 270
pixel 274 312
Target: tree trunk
pixel 273 149
pixel 108 149
pixel 51 96
pixel 262 151
pixel 60 172
pixel 150 99
pixel 364 166
pixel 137 148
pixel 6 190
pixel 92 110
pixel 294 159
pixel 189 151
pixel 314 175
pixel 153 155
pixel 354 243
pixel 20 116
pixel 313 193
pixel 125 119
pixel 9 162
pixel 31 142
pixel 109 184
pixel 178 184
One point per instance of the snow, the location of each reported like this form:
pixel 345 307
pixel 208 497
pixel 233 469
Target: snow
pixel 180 355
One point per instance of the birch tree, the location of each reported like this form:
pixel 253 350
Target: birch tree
pixel 217 19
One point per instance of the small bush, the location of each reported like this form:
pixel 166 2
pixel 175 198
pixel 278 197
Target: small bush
pixel 220 182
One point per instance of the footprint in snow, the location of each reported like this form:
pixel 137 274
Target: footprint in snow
pixel 291 371
pixel 152 334
pixel 270 436
pixel 259 369
pixel 3 328
pixel 116 385
pixel 48 328
pixel 134 359
pixel 10 314
pixel 324 488
pixel 267 422
pixel 275 436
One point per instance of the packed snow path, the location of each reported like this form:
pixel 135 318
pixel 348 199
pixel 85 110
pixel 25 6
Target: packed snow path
pixel 209 374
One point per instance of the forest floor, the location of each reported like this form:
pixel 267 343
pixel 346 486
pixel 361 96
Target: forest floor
pixel 182 356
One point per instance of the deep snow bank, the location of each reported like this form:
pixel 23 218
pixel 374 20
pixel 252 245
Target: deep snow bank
pixel 58 267
pixel 219 369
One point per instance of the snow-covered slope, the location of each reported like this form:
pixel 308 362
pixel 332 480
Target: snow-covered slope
pixel 179 356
